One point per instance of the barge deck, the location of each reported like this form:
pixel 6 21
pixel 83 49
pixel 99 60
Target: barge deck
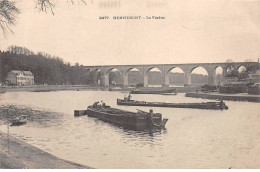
pixel 204 105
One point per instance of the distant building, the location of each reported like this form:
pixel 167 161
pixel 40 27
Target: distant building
pixel 229 80
pixel 255 78
pixel 16 77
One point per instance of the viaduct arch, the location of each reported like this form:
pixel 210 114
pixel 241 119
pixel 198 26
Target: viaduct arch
pixel 165 70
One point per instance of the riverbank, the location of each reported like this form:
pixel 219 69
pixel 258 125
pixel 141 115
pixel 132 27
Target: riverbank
pixel 16 154
pixel 46 88
pixel 233 97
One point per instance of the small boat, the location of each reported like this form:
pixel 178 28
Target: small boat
pixel 19 121
pixel 172 91
pixel 80 112
pixel 136 120
pixel 204 105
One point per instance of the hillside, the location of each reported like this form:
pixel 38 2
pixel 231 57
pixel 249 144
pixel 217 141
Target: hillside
pixel 53 70
pixel 46 70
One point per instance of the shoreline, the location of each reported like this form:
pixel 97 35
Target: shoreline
pixel 190 91
pixel 46 88
pixel 17 154
pixel 233 97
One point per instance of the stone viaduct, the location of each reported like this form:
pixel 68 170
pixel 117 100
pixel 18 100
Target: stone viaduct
pixel 165 69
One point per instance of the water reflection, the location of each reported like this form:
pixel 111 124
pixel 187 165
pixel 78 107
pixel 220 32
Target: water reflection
pixel 143 133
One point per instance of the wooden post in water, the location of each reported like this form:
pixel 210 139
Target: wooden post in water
pixel 151 113
pixel 7 131
pixel 151 117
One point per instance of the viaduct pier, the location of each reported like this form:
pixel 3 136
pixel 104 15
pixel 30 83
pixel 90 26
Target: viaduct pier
pixel 101 73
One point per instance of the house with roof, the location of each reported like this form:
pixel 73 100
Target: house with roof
pixel 19 78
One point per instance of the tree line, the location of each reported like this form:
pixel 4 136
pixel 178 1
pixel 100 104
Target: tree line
pixel 47 69
pixel 52 70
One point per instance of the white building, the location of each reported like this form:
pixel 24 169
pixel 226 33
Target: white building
pixel 16 77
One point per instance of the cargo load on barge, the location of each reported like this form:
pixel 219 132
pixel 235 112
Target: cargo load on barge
pixel 135 120
pixel 172 91
pixel 204 105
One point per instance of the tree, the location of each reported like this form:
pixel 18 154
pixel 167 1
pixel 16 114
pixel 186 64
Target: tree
pixel 8 15
pixel 19 50
pixel 9 11
pixel 45 5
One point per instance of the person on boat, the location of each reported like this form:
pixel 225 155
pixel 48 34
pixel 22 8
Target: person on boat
pixel 140 111
pixel 221 104
pixel 102 103
pixel 95 104
pixel 150 118
pixel 129 97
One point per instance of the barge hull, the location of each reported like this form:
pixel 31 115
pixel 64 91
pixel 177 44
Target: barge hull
pixel 210 105
pixel 127 119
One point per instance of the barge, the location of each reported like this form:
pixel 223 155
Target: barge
pixel 155 91
pixel 204 105
pixel 136 120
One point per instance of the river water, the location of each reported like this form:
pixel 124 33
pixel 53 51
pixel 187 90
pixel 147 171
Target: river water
pixel 193 138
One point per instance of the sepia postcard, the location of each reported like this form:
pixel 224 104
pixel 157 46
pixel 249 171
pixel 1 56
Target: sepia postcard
pixel 129 84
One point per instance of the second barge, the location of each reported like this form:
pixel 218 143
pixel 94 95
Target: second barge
pixel 137 120
pixel 204 105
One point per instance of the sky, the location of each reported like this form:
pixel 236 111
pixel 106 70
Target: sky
pixel 193 31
